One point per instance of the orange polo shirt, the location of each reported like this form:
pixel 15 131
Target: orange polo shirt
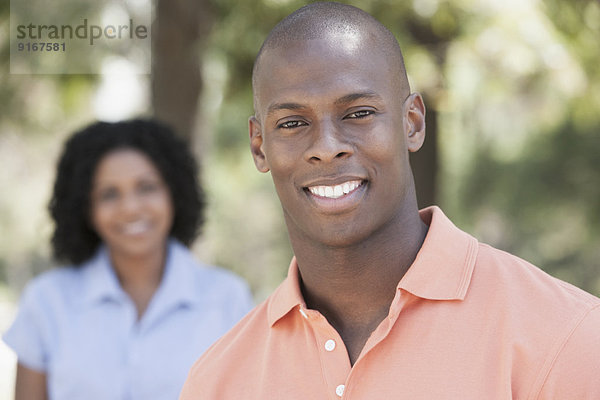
pixel 467 322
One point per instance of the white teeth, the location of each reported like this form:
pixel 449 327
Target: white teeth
pixel 135 228
pixel 334 192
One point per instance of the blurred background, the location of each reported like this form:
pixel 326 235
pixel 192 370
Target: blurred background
pixel 512 89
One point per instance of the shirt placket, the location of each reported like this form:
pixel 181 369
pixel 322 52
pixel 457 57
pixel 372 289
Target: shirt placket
pixel 133 353
pixel 335 364
pixel 380 333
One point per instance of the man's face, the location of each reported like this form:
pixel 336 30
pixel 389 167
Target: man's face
pixel 330 128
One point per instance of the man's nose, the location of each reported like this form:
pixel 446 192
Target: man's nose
pixel 327 143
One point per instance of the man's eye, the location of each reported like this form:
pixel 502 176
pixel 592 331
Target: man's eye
pixel 360 114
pixel 291 124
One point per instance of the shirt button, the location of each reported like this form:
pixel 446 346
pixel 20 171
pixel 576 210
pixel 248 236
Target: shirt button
pixel 330 345
pixel 339 390
pixel 303 313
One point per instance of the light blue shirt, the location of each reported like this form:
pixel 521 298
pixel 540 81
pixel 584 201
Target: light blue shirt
pixel 79 327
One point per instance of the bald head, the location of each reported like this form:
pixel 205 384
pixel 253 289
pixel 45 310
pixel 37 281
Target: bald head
pixel 327 20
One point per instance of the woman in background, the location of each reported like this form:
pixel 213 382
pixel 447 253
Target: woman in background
pixel 133 310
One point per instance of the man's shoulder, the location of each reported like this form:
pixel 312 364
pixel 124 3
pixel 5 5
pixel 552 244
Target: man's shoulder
pixel 502 272
pixel 547 325
pixel 550 319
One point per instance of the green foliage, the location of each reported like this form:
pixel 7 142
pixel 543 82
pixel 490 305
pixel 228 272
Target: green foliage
pixel 532 187
pixel 516 87
pixel 36 112
pixel 544 205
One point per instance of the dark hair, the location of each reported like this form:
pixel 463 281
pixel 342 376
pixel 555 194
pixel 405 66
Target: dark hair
pixel 74 240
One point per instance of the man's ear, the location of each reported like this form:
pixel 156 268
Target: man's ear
pixel 256 142
pixel 414 121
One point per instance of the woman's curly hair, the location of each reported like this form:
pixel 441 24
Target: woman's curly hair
pixel 74 240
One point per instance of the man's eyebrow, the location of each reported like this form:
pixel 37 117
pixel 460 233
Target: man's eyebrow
pixel 284 106
pixel 349 98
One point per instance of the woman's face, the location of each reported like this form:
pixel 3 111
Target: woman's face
pixel 131 206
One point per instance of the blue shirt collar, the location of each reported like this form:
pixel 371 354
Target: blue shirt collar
pixel 177 287
pixel 100 283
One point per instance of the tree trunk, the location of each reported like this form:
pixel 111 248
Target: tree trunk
pixel 425 163
pixel 181 27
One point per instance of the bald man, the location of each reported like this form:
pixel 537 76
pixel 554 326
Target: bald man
pixel 382 301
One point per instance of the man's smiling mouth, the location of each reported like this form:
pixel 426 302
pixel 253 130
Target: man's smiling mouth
pixel 335 191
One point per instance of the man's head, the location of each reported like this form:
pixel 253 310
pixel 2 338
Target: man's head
pixel 334 121
pixel 329 19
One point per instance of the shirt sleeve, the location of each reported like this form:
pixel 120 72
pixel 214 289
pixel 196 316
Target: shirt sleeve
pixel 575 372
pixel 25 336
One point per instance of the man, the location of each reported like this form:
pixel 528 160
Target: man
pixel 381 301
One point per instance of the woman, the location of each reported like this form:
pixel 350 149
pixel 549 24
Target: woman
pixel 133 310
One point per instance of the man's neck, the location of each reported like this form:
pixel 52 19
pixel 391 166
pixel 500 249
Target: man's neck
pixel 353 287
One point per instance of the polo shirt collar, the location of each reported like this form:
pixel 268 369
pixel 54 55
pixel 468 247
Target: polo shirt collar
pixel 287 296
pixel 176 287
pixel 444 265
pixel 442 269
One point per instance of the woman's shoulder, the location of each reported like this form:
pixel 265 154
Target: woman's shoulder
pixel 51 284
pixel 206 278
pixel 200 270
pixel 58 283
pixel 54 279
